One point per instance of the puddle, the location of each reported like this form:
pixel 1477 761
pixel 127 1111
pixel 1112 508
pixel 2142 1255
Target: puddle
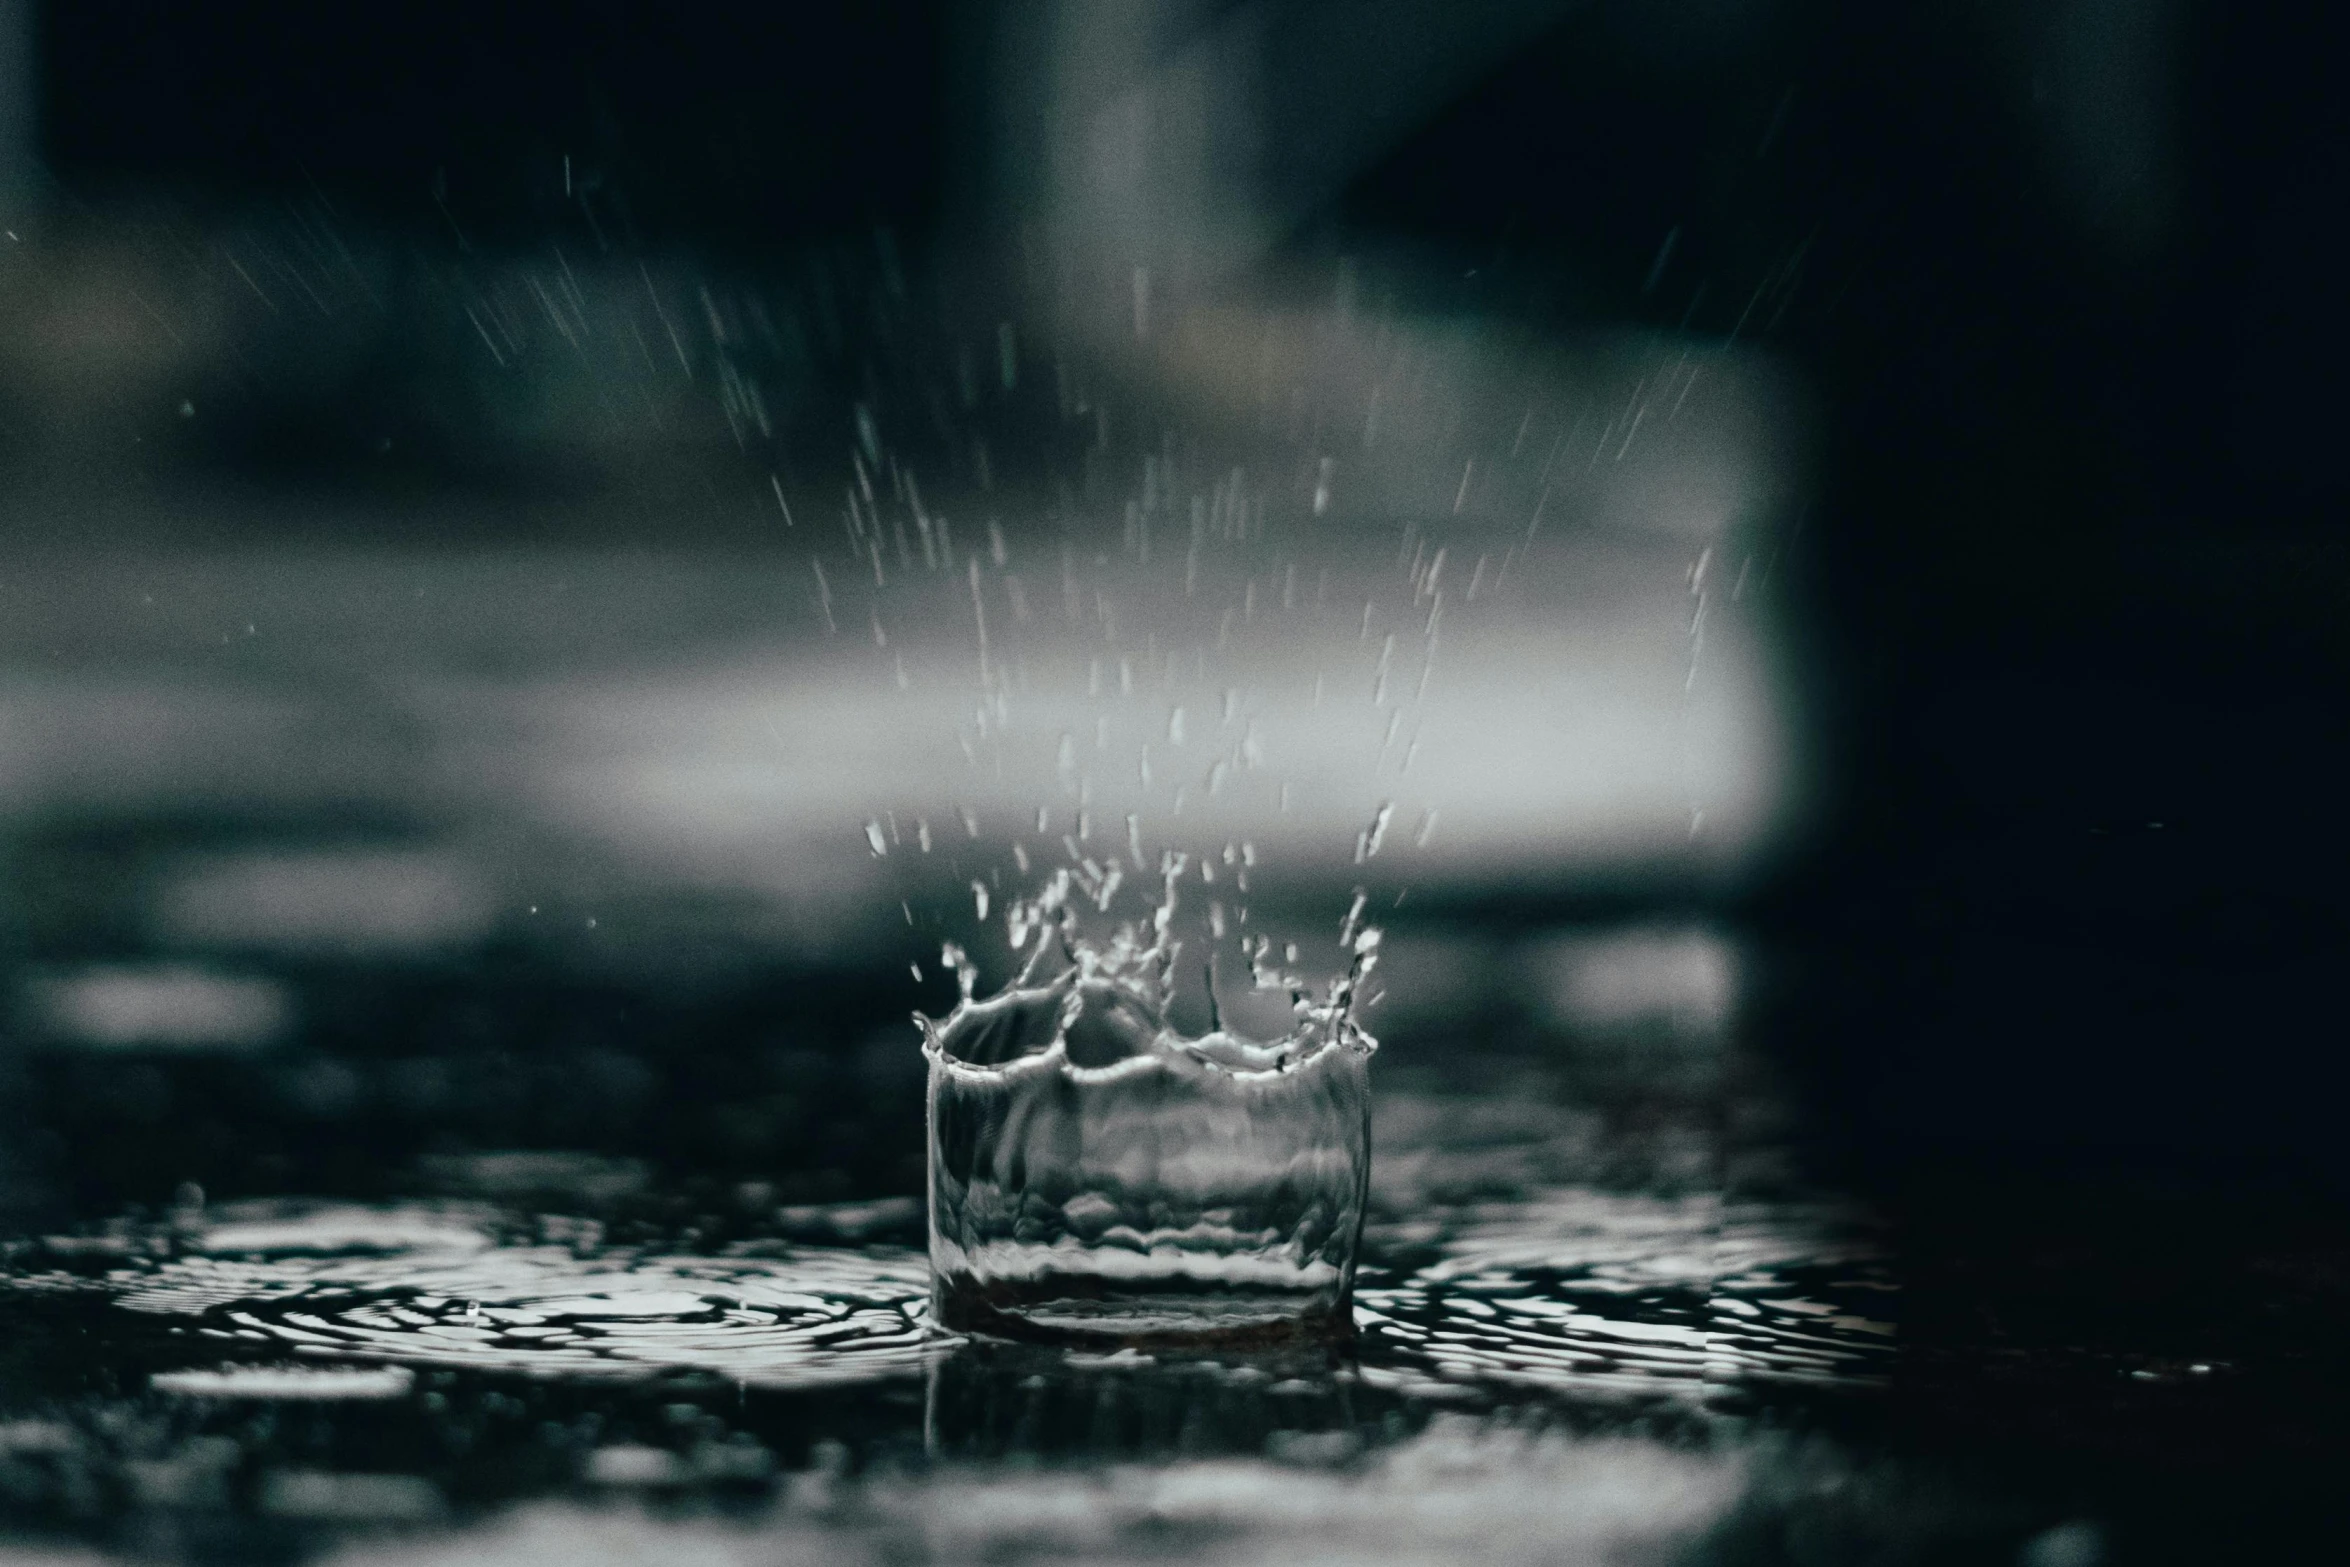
pixel 1610 1295
pixel 1568 1373
pixel 1545 1376
pixel 416 1288
pixel 285 1383
pixel 1572 1291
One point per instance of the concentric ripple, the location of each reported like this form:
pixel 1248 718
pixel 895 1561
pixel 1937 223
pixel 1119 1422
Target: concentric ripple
pixel 1572 1292
pixel 421 1289
pixel 1676 1299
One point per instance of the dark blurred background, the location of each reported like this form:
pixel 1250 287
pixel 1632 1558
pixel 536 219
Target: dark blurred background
pixel 2054 286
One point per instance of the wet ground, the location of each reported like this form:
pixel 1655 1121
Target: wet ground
pixel 1596 1322
pixel 283 1378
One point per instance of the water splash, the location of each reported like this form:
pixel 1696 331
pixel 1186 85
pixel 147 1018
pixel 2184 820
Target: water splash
pixel 1096 1173
pixel 1071 985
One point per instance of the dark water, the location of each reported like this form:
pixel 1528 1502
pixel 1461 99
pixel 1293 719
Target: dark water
pixel 1597 1321
pixel 1583 1336
pixel 1570 1291
pixel 275 1377
pixel 1578 1338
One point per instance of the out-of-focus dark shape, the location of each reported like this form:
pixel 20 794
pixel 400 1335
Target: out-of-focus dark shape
pixel 20 118
pixel 158 1007
pixel 1177 141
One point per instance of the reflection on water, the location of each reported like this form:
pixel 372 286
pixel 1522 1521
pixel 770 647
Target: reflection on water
pixel 1565 1372
pixel 281 1383
pixel 1536 1380
pixel 1574 1291
pixel 422 1290
pixel 1678 1299
pixel 1576 1339
pixel 1460 1491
